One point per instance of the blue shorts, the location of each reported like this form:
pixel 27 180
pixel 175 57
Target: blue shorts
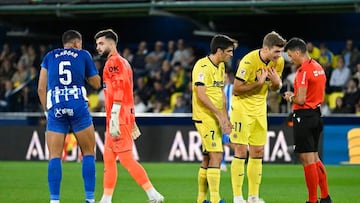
pixel 73 115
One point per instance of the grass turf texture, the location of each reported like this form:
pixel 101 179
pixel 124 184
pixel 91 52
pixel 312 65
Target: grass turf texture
pixel 26 182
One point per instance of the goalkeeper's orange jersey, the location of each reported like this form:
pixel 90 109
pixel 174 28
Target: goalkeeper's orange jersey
pixel 118 87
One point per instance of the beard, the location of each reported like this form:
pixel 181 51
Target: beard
pixel 105 54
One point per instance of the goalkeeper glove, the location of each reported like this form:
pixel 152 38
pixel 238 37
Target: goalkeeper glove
pixel 135 132
pixel 114 120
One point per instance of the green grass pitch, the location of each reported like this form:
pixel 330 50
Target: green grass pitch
pixel 26 182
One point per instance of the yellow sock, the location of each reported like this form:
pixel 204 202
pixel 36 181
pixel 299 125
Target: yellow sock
pixel 237 175
pixel 202 185
pixel 213 178
pixel 254 173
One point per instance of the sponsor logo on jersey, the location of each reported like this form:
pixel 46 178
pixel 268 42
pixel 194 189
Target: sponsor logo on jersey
pixel 218 83
pixel 318 72
pixel 113 69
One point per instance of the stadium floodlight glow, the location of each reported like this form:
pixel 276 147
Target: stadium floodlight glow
pixel 26 33
pixel 18 33
pixel 205 33
pixel 157 12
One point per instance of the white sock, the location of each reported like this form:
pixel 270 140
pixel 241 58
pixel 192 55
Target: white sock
pixel 238 198
pixel 152 193
pixel 54 201
pixel 90 200
pixel 106 199
pixel 253 198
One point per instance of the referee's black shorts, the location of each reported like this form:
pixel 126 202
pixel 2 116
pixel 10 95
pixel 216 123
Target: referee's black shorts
pixel 308 125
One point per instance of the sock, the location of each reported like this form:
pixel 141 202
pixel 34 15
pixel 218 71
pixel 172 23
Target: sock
pixel 322 179
pixel 223 162
pixel 54 178
pixel 136 171
pixel 237 175
pixel 54 201
pixel 88 173
pixel 253 198
pixel 238 198
pixel 202 185
pixel 106 198
pixel 152 193
pixel 254 174
pixel 312 180
pixel 110 173
pixel 213 179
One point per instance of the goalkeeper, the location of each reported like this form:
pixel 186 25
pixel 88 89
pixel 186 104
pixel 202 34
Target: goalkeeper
pixel 121 128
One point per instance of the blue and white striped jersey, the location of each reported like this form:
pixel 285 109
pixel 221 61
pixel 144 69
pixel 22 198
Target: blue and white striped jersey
pixel 67 70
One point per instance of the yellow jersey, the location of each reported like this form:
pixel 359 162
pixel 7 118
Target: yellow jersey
pixel 315 53
pixel 254 101
pixel 212 77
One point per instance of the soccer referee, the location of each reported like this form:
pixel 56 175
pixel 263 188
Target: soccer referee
pixel 309 90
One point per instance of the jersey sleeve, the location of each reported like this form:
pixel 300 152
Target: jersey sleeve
pixel 45 61
pixel 90 69
pixel 303 78
pixel 243 71
pixel 198 75
pixel 201 75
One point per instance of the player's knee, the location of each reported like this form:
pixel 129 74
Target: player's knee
pixel 126 160
pixel 87 150
pixel 240 150
pixel 109 156
pixel 256 153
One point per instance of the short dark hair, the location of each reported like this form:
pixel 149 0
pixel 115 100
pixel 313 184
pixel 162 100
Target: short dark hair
pixel 70 35
pixel 108 34
pixel 222 42
pixel 295 43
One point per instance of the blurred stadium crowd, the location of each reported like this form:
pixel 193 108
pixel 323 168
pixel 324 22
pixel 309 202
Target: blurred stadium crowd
pixel 162 77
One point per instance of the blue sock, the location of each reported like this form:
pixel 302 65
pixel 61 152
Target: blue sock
pixel 223 158
pixel 225 140
pixel 54 178
pixel 88 173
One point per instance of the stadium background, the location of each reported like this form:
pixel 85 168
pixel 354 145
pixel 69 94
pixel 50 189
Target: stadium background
pixel 44 21
pixel 329 21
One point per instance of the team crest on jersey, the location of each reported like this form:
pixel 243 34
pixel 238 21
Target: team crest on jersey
pixel 213 144
pixel 201 77
pixel 235 135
